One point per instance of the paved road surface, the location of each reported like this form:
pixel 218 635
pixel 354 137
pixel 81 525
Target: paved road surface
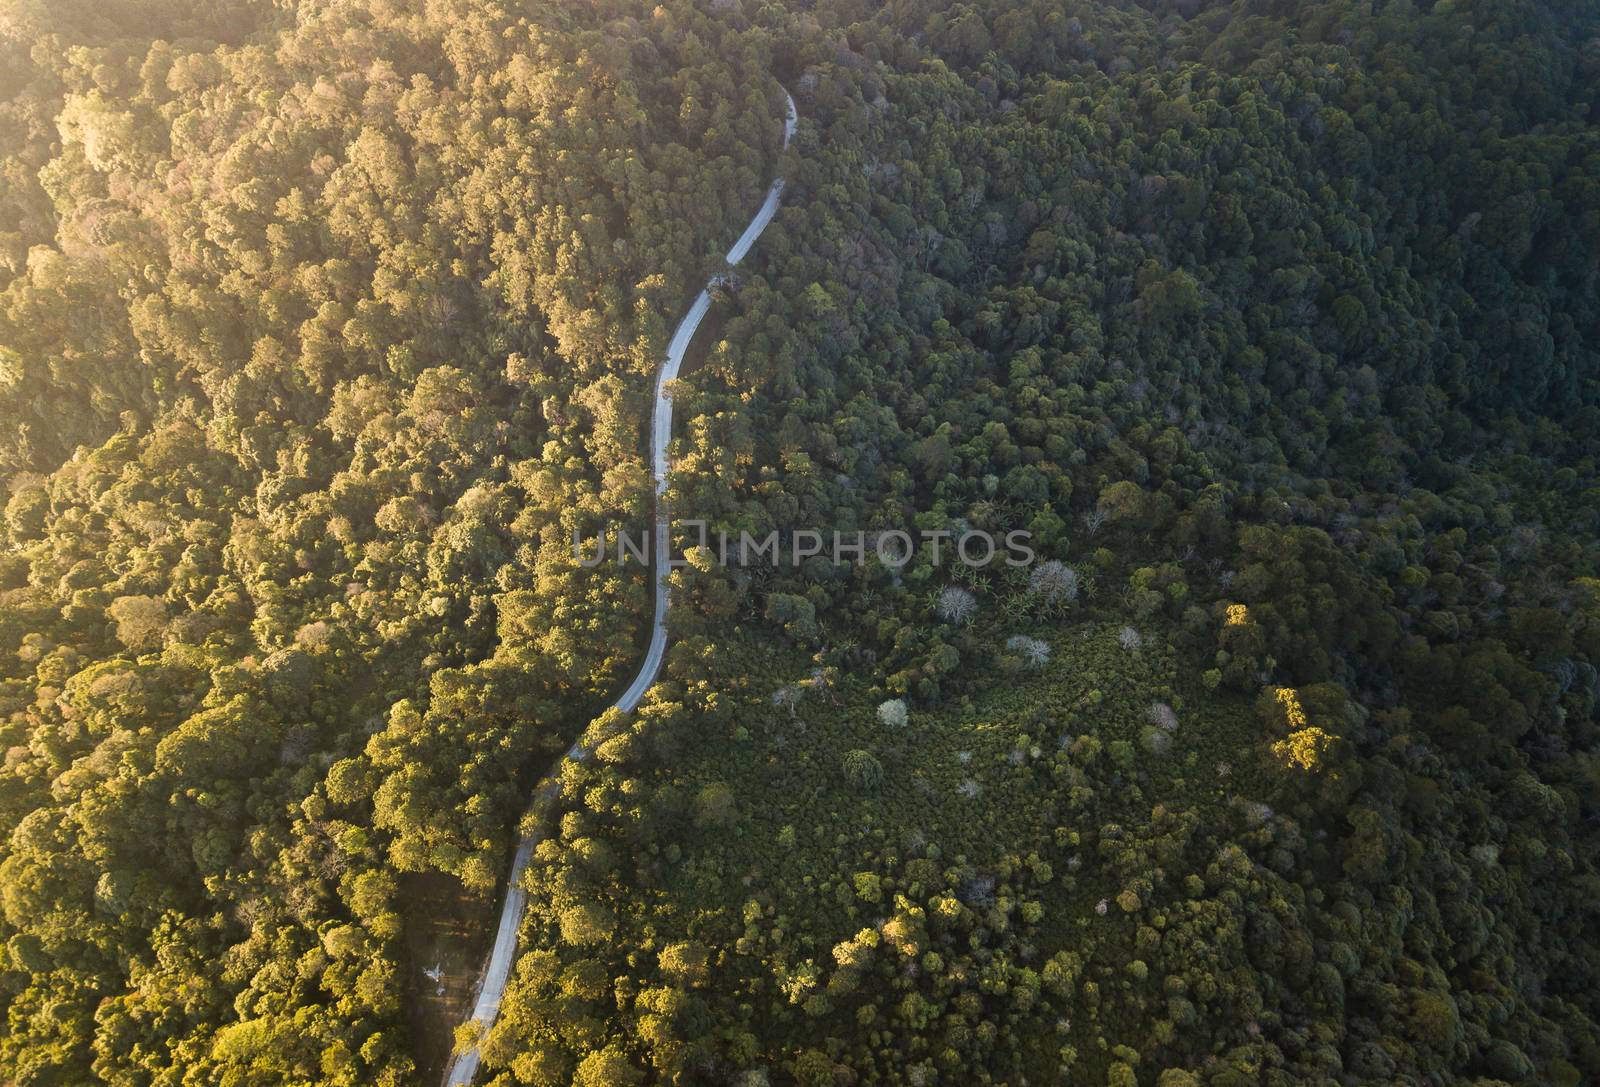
pixel 492 983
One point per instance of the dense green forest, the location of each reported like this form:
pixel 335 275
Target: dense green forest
pixel 325 323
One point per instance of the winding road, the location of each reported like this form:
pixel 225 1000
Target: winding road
pixel 497 970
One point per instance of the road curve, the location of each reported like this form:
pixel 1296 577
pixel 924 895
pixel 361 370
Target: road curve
pixel 497 970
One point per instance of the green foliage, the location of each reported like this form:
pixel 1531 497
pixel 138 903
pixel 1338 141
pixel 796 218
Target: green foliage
pixel 319 326
pixel 862 770
pixel 1196 297
pixel 322 327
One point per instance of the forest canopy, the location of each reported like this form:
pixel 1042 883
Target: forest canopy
pixel 325 325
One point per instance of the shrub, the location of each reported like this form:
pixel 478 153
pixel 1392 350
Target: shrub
pixel 141 620
pixel 1035 652
pixel 1160 714
pixel 716 806
pixel 862 770
pixel 1154 740
pixel 608 1067
pixel 956 605
pixel 788 697
pixel 1305 749
pixel 687 963
pixel 1053 583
